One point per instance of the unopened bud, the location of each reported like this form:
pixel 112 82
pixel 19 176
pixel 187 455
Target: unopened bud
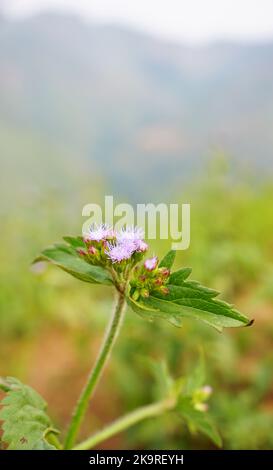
pixel 151 263
pixel 165 272
pixel 201 407
pixel 164 290
pixel 142 246
pixel 135 295
pixel 144 293
pixel 81 252
pixel 92 250
pixel 206 391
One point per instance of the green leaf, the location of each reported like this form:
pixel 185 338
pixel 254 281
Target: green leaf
pixel 179 276
pixel 189 299
pixel 66 258
pixel 25 422
pixel 198 420
pixel 75 242
pixel 151 314
pixel 168 260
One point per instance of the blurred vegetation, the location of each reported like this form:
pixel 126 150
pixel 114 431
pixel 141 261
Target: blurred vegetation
pixel 51 325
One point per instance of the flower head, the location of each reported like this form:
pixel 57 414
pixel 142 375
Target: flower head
pixel 98 233
pixel 135 236
pixel 118 252
pixel 151 263
pixel 130 233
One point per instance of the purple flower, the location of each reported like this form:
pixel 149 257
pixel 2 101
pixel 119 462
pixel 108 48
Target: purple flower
pixel 98 233
pixel 151 263
pixel 141 246
pixel 130 233
pixel 133 235
pixel 119 251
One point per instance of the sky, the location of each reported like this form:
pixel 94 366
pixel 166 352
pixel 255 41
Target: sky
pixel 179 20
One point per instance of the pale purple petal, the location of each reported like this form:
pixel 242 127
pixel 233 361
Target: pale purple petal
pixel 119 252
pixel 141 246
pixel 130 233
pixel 151 263
pixel 98 233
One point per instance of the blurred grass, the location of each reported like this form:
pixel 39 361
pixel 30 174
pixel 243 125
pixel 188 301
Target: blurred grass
pixel 51 325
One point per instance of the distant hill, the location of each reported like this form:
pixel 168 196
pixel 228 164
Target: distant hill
pixel 138 110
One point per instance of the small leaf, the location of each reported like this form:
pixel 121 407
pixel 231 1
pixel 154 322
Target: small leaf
pixel 75 242
pixel 25 422
pixel 66 258
pixel 179 276
pixel 198 420
pixel 168 260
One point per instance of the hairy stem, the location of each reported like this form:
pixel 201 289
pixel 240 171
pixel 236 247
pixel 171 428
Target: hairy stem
pixel 96 372
pixel 125 422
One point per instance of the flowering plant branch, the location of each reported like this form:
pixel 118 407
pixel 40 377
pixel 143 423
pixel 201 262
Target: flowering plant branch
pixel 152 290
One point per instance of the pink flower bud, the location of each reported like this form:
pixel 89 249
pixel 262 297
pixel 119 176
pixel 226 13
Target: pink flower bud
pixel 142 246
pixel 92 250
pixel 165 272
pixel 81 252
pixel 144 293
pixel 164 290
pixel 151 263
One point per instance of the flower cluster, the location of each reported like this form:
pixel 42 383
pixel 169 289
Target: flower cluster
pixel 149 278
pixel 104 244
pixel 128 241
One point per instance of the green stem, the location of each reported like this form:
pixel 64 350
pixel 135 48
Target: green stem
pixel 125 422
pixel 82 405
pixel 53 439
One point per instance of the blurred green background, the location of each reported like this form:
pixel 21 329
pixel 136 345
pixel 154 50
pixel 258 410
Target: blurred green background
pixel 89 110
